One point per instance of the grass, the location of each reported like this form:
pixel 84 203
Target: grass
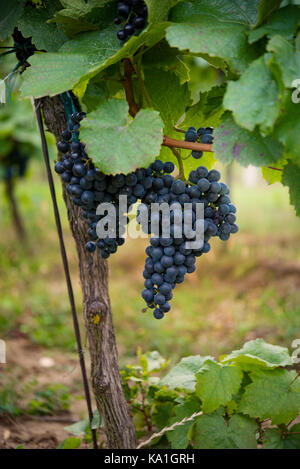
pixel 242 290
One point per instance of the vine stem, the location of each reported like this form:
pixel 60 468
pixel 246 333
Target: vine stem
pixel 128 88
pixel 141 83
pixel 180 164
pixel 171 142
pixel 66 269
pixel 276 169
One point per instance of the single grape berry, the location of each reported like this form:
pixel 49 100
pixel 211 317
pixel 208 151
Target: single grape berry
pixel 139 22
pixel 122 35
pixel 90 246
pixel 129 29
pixel 123 9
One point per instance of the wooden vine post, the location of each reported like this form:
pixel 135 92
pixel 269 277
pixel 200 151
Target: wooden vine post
pixel 105 375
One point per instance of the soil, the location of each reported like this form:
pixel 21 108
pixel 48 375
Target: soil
pixel 26 361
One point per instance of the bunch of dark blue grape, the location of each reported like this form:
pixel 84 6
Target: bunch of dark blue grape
pixel 168 258
pixel 202 135
pixel 132 14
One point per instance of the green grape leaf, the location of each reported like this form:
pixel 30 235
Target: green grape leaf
pixel 78 428
pixel 213 37
pixel 182 375
pixel 83 58
pixel 291 178
pixel 179 437
pixel 254 98
pixel 216 383
pixel 84 15
pixel 33 22
pixel 241 432
pixel 272 394
pixel 287 128
pixel 274 439
pixel 259 354
pixel 286 58
pixel 167 95
pixel 239 11
pixel 167 58
pixel 235 143
pixel 47 74
pixel 119 144
pixel 9 15
pixel 162 413
pixel 212 432
pixel 266 8
pixel 95 93
pixel 207 111
pixel 158 10
pixel 272 174
pixel 283 21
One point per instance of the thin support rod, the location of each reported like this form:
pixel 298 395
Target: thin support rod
pixel 66 269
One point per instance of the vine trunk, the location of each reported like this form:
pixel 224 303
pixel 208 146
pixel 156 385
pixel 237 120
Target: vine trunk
pixel 106 379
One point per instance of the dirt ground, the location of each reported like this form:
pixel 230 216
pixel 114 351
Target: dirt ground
pixel 25 360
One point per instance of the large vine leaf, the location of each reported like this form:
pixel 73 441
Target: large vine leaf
pixel 81 59
pixel 214 38
pixel 254 98
pixel 283 22
pixel 208 110
pixel 291 178
pixel 259 354
pixel 272 394
pixel 235 143
pixel 167 95
pixel 119 144
pixel 287 128
pixel 212 432
pixel 158 10
pixel 274 439
pixel 182 375
pixel 166 58
pixel 9 14
pixel 84 15
pixel 216 383
pixel 286 59
pixel 179 437
pixel 33 22
pixel 96 92
pixel 54 73
pixel 218 28
pixel 239 11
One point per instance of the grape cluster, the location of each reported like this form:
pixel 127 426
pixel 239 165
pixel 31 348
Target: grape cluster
pixel 168 259
pixel 202 135
pixel 132 14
